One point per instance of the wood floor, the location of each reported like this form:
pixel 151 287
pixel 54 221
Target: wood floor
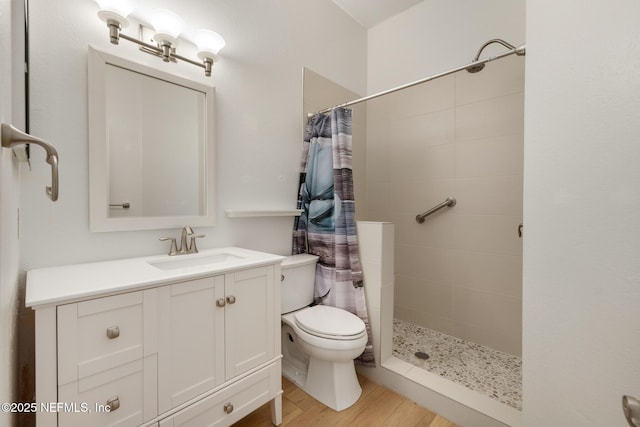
pixel 378 406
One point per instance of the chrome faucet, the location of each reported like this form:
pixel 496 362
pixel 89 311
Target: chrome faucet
pixel 186 231
pixel 184 249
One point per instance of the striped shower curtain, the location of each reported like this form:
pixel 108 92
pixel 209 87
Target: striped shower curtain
pixel 327 225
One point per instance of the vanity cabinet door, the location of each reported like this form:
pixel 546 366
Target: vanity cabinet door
pixel 190 340
pixel 250 319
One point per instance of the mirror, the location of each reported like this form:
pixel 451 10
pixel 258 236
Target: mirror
pixel 151 149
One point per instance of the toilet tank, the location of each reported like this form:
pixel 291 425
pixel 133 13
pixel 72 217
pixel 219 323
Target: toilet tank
pixel 298 277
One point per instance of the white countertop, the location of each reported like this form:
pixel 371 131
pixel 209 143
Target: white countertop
pixel 53 285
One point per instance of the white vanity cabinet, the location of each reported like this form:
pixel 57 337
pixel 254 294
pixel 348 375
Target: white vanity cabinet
pixel 200 347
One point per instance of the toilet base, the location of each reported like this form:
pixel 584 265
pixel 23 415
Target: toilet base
pixel 335 384
pixel 293 374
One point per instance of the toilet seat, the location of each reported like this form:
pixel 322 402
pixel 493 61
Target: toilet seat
pixel 330 322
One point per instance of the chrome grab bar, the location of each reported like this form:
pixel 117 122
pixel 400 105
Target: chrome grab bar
pixel 451 201
pixel 12 136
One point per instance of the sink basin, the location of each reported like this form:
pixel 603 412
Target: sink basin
pixel 182 261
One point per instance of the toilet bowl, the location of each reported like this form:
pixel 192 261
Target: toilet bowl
pixel 319 342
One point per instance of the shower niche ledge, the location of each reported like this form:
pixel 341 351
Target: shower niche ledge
pixel 251 213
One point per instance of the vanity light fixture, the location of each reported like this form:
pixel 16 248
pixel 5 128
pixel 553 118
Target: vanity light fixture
pixel 167 26
pixel 209 44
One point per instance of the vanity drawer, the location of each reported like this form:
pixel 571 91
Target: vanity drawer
pixel 98 335
pixel 122 388
pixel 230 404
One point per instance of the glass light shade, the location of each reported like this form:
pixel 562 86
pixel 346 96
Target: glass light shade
pixel 121 8
pixel 167 24
pixel 208 42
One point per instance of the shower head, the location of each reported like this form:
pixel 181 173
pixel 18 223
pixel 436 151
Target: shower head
pixel 475 68
pixel 478 67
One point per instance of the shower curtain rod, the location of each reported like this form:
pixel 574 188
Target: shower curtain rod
pixel 518 51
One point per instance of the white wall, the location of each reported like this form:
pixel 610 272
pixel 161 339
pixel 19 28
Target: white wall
pixel 9 284
pixel 258 105
pixel 437 35
pixel 581 210
pixel 8 242
pixel 10 101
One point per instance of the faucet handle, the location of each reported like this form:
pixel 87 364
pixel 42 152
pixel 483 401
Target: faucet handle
pixel 193 249
pixel 174 247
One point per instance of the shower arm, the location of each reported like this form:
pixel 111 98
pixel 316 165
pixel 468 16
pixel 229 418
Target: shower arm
pixel 12 137
pixel 518 51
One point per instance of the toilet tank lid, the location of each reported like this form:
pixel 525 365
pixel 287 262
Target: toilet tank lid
pixel 298 260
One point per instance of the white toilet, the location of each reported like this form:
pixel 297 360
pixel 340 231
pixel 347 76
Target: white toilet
pixel 319 343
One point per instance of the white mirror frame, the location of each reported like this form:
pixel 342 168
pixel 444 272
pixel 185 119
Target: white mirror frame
pixel 99 218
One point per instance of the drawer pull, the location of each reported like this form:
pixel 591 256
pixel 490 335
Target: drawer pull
pixel 231 299
pixel 113 332
pixel 113 403
pixel 220 302
pixel 228 408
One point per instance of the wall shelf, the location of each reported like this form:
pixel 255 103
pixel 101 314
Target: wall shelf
pixel 250 213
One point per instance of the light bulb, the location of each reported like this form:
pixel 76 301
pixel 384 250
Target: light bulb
pixel 167 25
pixel 208 42
pixel 117 10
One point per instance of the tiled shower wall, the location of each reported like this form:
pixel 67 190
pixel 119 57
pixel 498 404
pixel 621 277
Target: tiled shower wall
pixel 461 136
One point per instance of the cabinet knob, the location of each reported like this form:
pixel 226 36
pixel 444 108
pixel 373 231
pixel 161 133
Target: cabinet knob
pixel 228 408
pixel 113 332
pixel 231 299
pixel 220 302
pixel 113 403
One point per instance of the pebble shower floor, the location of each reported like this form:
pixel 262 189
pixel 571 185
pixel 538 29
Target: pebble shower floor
pixel 482 369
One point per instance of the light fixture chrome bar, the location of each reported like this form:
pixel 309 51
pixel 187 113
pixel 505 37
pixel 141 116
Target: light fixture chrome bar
pixel 451 201
pixel 168 27
pixel 166 52
pixel 146 45
pixel 520 51
pixel 159 52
